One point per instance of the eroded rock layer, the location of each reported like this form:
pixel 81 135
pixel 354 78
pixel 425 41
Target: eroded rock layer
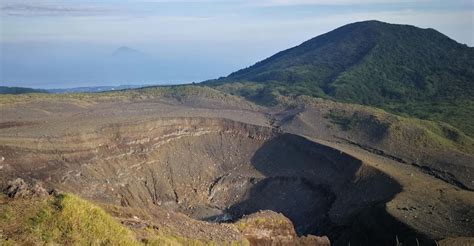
pixel 210 169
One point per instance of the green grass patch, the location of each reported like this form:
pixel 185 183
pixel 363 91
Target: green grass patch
pixel 65 219
pixel 68 219
pixel 341 119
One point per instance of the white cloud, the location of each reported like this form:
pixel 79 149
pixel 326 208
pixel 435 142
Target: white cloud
pixel 51 8
pixel 332 2
pixel 98 24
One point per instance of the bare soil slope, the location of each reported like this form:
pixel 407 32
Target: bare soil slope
pixel 188 160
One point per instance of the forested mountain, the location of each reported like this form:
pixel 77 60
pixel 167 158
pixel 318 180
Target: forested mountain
pixel 401 68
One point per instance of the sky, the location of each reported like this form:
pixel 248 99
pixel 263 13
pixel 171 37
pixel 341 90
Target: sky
pixel 72 43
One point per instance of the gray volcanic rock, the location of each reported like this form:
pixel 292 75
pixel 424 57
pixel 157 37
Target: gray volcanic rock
pixel 19 188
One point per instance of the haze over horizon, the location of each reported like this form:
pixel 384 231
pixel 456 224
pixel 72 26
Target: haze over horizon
pixel 60 44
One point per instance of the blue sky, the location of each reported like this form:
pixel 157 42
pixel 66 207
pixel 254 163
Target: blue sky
pixel 55 43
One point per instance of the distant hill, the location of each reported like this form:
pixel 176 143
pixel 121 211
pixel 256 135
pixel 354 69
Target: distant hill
pixel 127 52
pixel 19 90
pixel 401 68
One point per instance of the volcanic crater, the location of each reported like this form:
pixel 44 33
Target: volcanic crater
pixel 212 169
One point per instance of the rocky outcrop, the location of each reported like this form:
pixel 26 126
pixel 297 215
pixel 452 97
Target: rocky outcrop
pixel 270 228
pixel 18 188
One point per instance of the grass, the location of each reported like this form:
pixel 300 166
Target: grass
pixel 380 125
pixel 167 240
pixel 64 219
pixel 339 118
pixel 432 134
pixel 180 93
pixel 192 95
pixel 261 221
pixel 456 113
pixel 159 240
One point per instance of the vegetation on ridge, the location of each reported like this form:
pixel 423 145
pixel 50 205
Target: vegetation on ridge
pixel 400 68
pixel 63 219
pixel 180 93
pixel 66 219
pixel 19 90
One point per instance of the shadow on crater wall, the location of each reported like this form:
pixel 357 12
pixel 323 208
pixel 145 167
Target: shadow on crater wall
pixel 325 192
pixel 207 168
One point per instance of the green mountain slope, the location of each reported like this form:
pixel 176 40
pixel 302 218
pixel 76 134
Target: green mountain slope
pixel 401 68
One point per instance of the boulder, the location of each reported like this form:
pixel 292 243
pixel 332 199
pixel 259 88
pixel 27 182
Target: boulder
pixel 19 188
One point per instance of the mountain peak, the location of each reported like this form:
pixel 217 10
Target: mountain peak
pixel 124 50
pixel 341 49
pixel 372 63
